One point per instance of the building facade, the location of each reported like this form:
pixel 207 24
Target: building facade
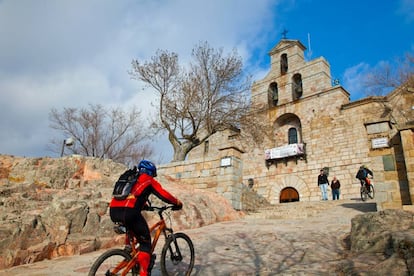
pixel 313 125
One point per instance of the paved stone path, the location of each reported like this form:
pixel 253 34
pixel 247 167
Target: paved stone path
pixel 299 238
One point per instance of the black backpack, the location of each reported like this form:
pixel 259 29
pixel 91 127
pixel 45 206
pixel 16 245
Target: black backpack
pixel 124 184
pixel 361 174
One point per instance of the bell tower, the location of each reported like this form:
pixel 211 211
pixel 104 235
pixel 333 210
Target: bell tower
pixel 291 77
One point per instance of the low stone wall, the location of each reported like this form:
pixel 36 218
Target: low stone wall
pixel 208 174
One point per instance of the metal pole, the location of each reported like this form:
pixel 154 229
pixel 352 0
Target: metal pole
pixel 63 148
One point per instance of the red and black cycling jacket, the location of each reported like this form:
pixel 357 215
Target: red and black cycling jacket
pixel 143 188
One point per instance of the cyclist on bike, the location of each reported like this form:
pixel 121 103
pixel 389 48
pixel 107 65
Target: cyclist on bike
pixel 362 175
pixel 128 211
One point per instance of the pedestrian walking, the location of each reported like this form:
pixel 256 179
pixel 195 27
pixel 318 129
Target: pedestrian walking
pixel 323 184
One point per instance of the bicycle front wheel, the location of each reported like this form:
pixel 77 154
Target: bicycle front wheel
pixel 177 256
pixel 371 192
pixel 364 193
pixel 112 262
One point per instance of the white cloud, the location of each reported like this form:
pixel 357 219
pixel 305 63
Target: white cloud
pixel 406 8
pixel 72 53
pixel 353 78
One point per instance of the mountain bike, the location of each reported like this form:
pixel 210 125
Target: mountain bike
pixel 177 255
pixel 365 193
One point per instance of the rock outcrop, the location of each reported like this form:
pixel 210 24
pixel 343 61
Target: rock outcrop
pixel 381 243
pixel 52 207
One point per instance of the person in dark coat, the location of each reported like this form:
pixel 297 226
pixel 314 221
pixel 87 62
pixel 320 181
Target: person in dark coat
pixel 335 187
pixel 323 184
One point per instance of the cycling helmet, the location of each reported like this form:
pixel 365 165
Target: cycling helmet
pixel 147 167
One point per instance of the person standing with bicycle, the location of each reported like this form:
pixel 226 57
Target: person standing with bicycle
pixel 323 184
pixel 363 174
pixel 128 211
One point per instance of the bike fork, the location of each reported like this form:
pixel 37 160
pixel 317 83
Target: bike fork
pixel 175 252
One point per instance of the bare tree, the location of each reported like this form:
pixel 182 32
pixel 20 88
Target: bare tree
pixel 211 95
pixel 103 133
pixel 399 77
pixel 388 77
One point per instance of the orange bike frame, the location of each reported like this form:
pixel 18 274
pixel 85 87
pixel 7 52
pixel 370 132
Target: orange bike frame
pixel 159 228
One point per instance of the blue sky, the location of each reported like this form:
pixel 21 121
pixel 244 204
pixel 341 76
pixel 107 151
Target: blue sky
pixel 70 53
pixel 354 36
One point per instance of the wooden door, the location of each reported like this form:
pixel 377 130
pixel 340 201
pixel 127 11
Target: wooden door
pixel 289 194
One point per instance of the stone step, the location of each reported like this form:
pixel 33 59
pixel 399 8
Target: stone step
pixel 293 210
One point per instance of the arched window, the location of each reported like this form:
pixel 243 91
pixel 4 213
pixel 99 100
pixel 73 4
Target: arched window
pixel 273 94
pixel 206 147
pixel 297 89
pixel 292 135
pixel 283 64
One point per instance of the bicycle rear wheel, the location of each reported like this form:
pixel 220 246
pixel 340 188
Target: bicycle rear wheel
pixel 109 260
pixel 177 256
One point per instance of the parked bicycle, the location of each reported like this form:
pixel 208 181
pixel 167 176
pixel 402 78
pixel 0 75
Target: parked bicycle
pixel 177 255
pixel 367 192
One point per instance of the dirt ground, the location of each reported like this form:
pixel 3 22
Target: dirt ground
pixel 266 243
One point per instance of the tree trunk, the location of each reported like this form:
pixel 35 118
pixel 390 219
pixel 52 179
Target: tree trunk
pixel 179 155
pixel 181 150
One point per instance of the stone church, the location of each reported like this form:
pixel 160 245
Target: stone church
pixel 313 126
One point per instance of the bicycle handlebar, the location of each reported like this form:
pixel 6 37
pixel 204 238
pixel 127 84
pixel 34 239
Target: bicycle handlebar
pixel 159 208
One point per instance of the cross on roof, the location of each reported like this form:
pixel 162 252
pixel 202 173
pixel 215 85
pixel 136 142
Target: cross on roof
pixel 284 33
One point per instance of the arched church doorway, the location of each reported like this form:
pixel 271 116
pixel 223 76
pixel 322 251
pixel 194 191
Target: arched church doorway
pixel 289 194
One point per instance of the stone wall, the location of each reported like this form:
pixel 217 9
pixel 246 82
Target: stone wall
pixel 221 174
pixel 407 140
pixel 324 148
